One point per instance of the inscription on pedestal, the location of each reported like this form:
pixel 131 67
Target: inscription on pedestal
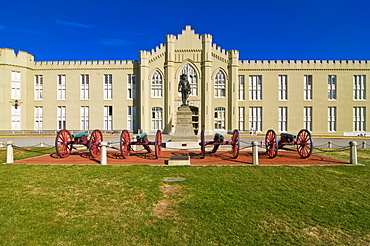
pixel 184 128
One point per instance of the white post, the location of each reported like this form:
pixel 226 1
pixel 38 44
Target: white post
pixel 9 152
pixel 41 144
pixel 103 154
pixel 353 152
pixel 255 153
pixel 1 144
pixel 330 145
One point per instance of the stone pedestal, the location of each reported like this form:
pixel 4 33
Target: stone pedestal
pixel 179 161
pixel 184 128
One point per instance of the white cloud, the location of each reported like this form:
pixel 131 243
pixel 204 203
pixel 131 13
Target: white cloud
pixel 113 42
pixel 74 24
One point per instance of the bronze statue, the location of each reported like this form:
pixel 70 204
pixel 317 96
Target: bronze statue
pixel 184 88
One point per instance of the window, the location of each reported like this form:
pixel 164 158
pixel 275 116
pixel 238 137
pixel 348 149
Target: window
pixel 332 87
pixel 61 88
pixel 157 119
pixel 84 116
pixel 107 86
pixel 283 87
pixel 156 85
pixel 332 119
pixel 307 87
pixel 38 118
pixel 241 96
pixel 192 78
pixel 359 87
pixel 219 119
pixel 283 123
pixel 241 112
pixel 220 85
pixel 84 92
pixel 255 119
pixel 255 88
pixel 131 113
pixel 15 85
pixel 38 87
pixel 131 86
pixel 16 118
pixel 359 119
pixel 61 118
pixel 108 117
pixel 307 118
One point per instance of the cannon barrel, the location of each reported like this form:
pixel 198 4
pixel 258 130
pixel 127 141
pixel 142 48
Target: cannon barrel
pixel 288 137
pixel 78 135
pixel 141 136
pixel 218 137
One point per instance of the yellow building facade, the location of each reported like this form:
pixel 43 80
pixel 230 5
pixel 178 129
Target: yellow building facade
pixel 325 97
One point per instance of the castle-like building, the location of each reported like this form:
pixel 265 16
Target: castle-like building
pixel 326 97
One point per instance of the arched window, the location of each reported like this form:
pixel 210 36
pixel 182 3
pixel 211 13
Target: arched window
pixel 220 85
pixel 157 85
pixel 192 78
pixel 157 119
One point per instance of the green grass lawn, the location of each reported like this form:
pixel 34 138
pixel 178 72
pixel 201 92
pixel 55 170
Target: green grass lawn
pixel 215 205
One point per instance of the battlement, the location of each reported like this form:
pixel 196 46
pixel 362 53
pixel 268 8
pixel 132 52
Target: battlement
pixel 39 64
pixel 158 49
pixel 218 48
pixel 304 64
pixel 11 56
pixel 171 37
pixel 305 61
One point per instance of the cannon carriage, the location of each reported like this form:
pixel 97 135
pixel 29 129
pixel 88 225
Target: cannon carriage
pixel 303 141
pixel 65 141
pixel 218 140
pixel 141 139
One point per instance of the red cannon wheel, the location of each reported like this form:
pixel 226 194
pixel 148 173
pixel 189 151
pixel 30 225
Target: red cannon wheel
pixel 158 143
pixel 304 143
pixel 235 143
pixel 271 143
pixel 63 143
pixel 125 144
pixel 94 143
pixel 202 145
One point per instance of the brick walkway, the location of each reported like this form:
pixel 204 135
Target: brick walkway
pixel 220 158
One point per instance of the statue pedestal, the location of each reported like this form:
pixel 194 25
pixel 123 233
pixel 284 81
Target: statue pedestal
pixel 184 136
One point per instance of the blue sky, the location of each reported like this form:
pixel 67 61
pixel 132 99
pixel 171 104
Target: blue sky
pixel 119 29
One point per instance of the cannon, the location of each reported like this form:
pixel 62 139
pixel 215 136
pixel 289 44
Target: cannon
pixel 141 139
pixel 303 141
pixel 218 140
pixel 64 142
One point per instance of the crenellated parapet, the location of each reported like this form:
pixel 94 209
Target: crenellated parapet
pixel 83 63
pixel 24 59
pixel 156 53
pixel 17 59
pixel 304 64
pixel 86 65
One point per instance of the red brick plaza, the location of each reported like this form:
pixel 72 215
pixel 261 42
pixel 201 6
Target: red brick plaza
pixel 218 158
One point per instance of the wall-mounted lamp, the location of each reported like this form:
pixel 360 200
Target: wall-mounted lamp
pixel 15 103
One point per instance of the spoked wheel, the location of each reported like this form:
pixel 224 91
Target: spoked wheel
pixel 125 144
pixel 202 145
pixel 158 143
pixel 304 143
pixel 235 143
pixel 63 143
pixel 94 143
pixel 271 143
